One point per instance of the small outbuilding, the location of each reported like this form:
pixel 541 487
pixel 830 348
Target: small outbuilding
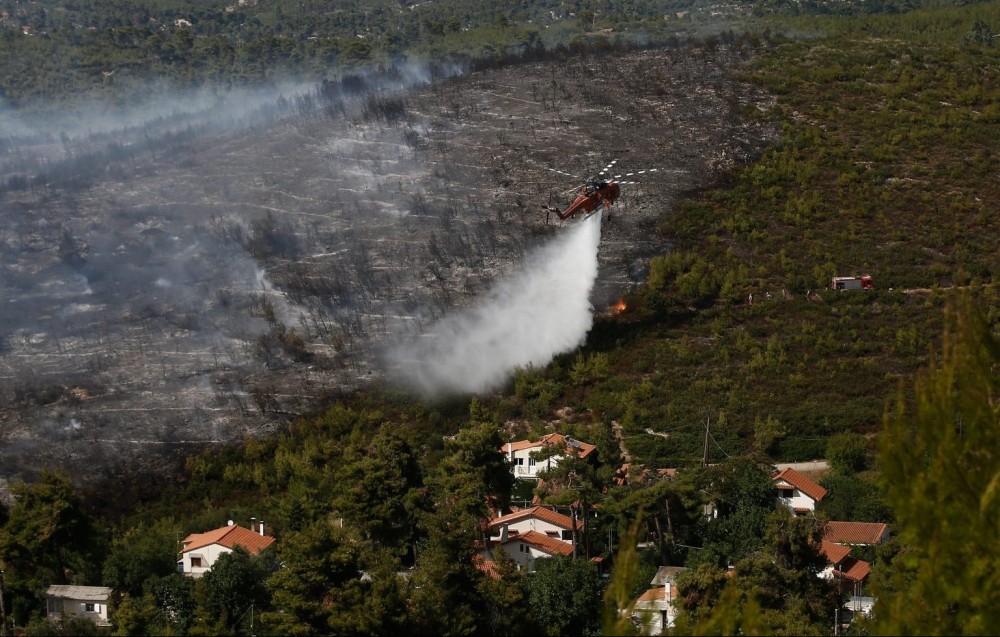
pixel 67 601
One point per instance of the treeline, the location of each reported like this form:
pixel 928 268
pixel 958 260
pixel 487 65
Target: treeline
pixel 58 51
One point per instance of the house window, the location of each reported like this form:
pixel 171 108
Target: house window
pixel 531 462
pixel 787 493
pixel 519 461
pixel 89 608
pixel 567 535
pixel 195 562
pixel 552 533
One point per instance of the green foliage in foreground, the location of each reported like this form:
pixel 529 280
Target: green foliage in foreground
pixel 940 462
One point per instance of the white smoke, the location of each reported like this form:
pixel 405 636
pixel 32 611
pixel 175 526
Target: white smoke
pixel 542 310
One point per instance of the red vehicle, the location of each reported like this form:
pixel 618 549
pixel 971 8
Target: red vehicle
pixel 596 192
pixel 852 283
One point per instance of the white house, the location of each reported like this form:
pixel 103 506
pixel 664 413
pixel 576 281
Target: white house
pixel 538 519
pixel 656 609
pixel 202 549
pixel 64 601
pixel 796 491
pixel 522 463
pixel 526 548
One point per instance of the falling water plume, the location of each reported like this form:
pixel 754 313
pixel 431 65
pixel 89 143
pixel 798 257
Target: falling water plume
pixel 540 311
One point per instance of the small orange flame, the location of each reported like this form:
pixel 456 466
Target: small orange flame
pixel 619 307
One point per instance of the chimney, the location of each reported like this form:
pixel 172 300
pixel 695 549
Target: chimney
pixel 253 523
pixel 262 526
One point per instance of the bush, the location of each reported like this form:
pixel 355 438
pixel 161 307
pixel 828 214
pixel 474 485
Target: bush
pixel 847 453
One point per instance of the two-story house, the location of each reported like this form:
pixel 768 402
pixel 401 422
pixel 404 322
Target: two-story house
pixel 797 491
pixel 526 548
pixel 538 519
pixel 522 454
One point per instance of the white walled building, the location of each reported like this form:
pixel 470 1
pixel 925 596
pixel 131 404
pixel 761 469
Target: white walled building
pixel 526 467
pixel 656 610
pixel 526 548
pixel 539 519
pixel 91 602
pixel 201 550
pixel 796 491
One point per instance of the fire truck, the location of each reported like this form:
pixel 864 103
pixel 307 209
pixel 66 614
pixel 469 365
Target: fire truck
pixel 852 283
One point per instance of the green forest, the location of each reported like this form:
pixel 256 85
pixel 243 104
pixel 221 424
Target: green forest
pixel 887 165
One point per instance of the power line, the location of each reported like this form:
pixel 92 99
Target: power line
pixel 718 445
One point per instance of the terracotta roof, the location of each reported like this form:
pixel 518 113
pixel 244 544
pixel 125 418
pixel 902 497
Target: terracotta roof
pixel 487 566
pixel 543 542
pixel 230 537
pixel 855 570
pixel 519 445
pixel 657 594
pixel 584 449
pixel 541 513
pixel 855 532
pixel 800 482
pixel 834 553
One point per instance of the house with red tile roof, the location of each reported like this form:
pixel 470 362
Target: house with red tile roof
pixel 851 572
pixel 797 491
pixel 201 550
pixel 856 533
pixel 538 519
pixel 526 548
pixel 522 454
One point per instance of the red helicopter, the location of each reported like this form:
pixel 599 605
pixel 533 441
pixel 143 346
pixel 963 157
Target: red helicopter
pixel 596 192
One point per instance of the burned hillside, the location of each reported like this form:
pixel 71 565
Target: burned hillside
pixel 191 284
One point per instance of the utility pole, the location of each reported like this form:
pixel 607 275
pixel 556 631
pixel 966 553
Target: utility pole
pixel 704 457
pixel 573 511
pixel 836 611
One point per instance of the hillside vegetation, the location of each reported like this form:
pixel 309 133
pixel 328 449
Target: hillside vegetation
pixel 887 166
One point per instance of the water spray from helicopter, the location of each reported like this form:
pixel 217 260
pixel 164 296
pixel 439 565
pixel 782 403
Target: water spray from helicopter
pixel 542 310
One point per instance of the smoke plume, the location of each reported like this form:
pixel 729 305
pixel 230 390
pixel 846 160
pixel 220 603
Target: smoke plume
pixel 542 310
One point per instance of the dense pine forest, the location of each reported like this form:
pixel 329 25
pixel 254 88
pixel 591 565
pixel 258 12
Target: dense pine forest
pixel 733 355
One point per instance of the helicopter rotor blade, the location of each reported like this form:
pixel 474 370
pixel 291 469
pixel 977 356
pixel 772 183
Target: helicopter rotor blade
pixel 563 172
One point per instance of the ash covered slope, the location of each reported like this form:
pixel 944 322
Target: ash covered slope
pixel 198 284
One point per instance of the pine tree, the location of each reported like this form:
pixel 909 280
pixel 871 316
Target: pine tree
pixel 940 459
